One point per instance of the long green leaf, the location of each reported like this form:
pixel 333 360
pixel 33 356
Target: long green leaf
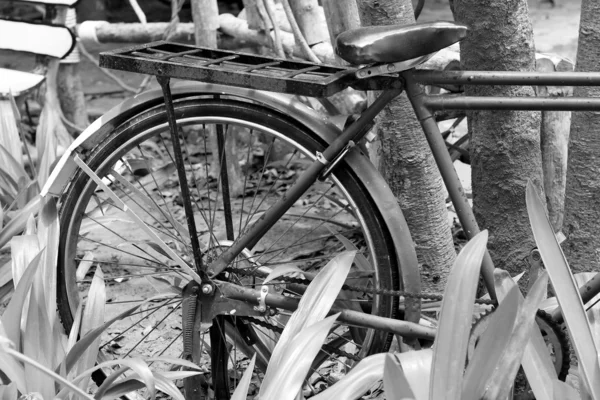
pixel 241 392
pixel 491 346
pixel 38 344
pixel 93 316
pixel 13 164
pixel 360 378
pixel 133 383
pixel 18 222
pixel 11 318
pixel 79 348
pixel 566 291
pixel 455 321
pixel 314 305
pixel 537 364
pixel 48 236
pixel 563 391
pixel 417 369
pixel 296 359
pixel 8 365
pixel 8 392
pixel 508 365
pixel 57 378
pixel 142 372
pixel 395 384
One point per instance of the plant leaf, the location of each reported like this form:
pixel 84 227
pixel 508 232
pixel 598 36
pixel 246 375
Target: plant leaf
pixel 491 346
pixel 93 316
pixel 536 361
pixel 8 392
pixel 11 163
pixel 142 372
pixel 57 378
pixel 360 378
pixel 11 318
pixel 395 384
pixel 79 348
pixel 314 305
pixel 38 344
pixel 17 224
pixel 11 367
pixel 48 235
pixel 417 369
pixel 241 391
pixel 455 321
pixel 84 265
pixel 500 383
pixel 563 391
pixel 566 291
pixel 286 378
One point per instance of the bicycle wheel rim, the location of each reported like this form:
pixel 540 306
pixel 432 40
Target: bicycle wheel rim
pixel 73 206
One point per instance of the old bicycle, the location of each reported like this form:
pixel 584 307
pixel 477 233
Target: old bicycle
pixel 306 192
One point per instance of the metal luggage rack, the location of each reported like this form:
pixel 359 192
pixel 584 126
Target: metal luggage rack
pixel 187 62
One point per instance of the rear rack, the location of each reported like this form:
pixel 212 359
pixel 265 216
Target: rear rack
pixel 239 69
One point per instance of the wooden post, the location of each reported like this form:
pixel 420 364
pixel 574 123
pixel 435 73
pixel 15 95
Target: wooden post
pixel 555 129
pixel 252 16
pixel 311 20
pixel 341 15
pixel 205 14
pixel 70 89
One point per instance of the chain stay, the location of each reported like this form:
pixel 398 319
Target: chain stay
pixel 361 289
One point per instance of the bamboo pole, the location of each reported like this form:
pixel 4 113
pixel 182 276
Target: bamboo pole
pixel 555 130
pixel 205 14
pixel 341 16
pixel 251 15
pixel 70 89
pixel 228 24
pixel 311 20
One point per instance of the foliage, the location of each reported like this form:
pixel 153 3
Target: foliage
pixel 20 180
pixel 567 294
pixel 36 357
pixel 439 372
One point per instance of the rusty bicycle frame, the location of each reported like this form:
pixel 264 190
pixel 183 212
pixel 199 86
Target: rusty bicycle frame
pixel 424 106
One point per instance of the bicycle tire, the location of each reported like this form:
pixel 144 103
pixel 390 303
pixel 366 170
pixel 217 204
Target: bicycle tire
pixel 128 139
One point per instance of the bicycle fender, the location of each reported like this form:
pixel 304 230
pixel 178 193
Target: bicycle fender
pixel 379 190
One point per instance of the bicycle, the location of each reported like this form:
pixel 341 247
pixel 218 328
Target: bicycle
pixel 221 247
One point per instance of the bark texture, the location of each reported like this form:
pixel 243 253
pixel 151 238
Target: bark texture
pixel 407 164
pixel 554 137
pixel 70 94
pixel 582 204
pixel 505 145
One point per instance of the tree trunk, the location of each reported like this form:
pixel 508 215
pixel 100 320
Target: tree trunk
pixel 505 145
pixel 407 164
pixel 582 204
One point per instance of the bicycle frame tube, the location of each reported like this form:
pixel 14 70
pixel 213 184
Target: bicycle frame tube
pixel 446 167
pixel 355 318
pixel 424 106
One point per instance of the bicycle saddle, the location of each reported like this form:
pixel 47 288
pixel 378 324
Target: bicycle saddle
pixel 395 43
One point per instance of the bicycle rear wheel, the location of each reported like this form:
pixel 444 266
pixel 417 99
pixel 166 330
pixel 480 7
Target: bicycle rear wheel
pixel 136 162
